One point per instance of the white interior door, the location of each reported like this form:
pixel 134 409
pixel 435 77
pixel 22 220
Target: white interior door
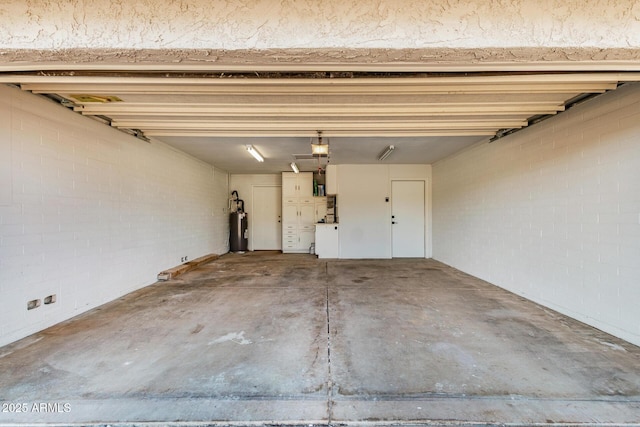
pixel 407 218
pixel 266 229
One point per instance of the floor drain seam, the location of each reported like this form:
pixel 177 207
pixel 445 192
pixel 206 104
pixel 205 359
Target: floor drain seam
pixel 329 379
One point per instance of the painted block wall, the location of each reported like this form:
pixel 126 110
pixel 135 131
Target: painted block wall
pixel 365 216
pixel 552 213
pixel 92 213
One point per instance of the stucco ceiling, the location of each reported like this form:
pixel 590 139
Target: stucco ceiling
pixel 311 25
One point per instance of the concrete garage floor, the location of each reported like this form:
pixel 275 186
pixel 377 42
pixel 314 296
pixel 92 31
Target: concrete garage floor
pixel 266 338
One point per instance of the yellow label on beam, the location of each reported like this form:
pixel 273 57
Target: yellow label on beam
pixel 103 99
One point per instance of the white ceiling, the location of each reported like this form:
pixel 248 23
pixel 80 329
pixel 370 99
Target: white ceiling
pixel 213 116
pixel 229 153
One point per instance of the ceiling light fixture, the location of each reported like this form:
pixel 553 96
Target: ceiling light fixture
pixel 251 149
pixel 319 149
pixel 386 152
pixel 295 167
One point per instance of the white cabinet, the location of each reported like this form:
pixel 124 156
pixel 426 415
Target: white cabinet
pixel 290 213
pixel 297 184
pixel 305 184
pixel 306 238
pixel 307 214
pixel 298 212
pixel 289 185
pixel 327 240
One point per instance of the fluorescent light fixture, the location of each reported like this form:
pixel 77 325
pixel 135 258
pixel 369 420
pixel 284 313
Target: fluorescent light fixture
pixel 254 153
pixel 295 168
pixel 386 152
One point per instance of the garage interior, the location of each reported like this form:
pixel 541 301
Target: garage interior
pixel 484 272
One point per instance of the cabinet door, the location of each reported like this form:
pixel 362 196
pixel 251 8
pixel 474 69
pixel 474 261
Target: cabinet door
pixel 327 241
pixel 305 184
pixel 290 214
pixel 307 215
pixel 289 185
pixel 307 237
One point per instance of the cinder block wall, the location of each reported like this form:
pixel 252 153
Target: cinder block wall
pixel 89 213
pixel 553 212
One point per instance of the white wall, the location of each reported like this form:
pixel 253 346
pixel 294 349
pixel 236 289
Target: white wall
pixel 244 184
pixel 93 213
pixel 365 216
pixel 553 212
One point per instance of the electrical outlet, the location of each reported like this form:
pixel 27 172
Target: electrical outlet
pixel 34 303
pixel 51 299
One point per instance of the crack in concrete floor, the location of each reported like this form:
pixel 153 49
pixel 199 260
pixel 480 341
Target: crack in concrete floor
pixel 329 380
